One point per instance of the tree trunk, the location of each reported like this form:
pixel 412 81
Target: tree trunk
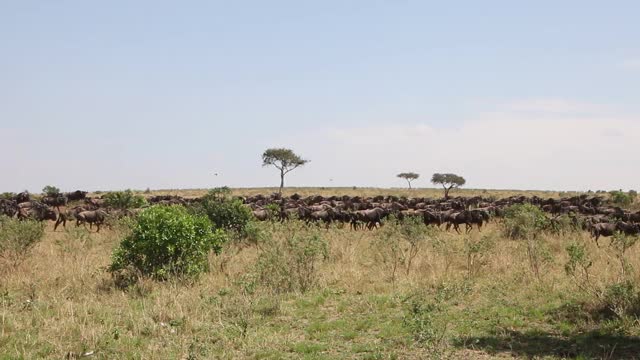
pixel 409 182
pixel 446 193
pixel 281 181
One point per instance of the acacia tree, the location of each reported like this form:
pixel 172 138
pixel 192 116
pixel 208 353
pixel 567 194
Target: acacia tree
pixel 409 176
pixel 448 182
pixel 284 160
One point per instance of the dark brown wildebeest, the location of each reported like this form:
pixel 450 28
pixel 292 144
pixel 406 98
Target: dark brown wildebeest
pixel 326 215
pixel 22 197
pixel 55 201
pixel 628 228
pixel 76 195
pixel 432 218
pixel 91 217
pixel 602 229
pixel 371 217
pixel 65 215
pixel 8 207
pixel 634 217
pixel 35 210
pixel 468 217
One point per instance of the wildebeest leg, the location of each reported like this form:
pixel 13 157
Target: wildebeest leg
pixel 61 220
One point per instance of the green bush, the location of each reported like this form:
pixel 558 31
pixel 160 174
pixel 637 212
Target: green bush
pixel 17 238
pixel 524 221
pixel 226 213
pixel 124 200
pixel 622 198
pixel 51 191
pixel 622 298
pixel 7 195
pixel 167 241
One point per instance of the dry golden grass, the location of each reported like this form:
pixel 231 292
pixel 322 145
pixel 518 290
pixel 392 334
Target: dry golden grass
pixel 61 302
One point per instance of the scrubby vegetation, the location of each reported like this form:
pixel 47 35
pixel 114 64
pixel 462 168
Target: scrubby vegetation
pixel 17 238
pixel 123 199
pixel 165 242
pixel 226 213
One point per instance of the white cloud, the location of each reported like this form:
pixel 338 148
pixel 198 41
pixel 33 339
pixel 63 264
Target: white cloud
pixel 631 64
pixel 523 149
pixel 553 107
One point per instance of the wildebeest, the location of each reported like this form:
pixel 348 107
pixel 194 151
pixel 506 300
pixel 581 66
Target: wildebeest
pixel 609 229
pixel 371 217
pixel 326 215
pixel 432 218
pixel 22 197
pixel 468 217
pixel 65 215
pixel 8 207
pixel 91 217
pixel 35 210
pixel 262 214
pixel 76 195
pixel 55 201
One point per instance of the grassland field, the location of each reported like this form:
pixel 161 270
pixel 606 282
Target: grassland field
pixel 456 301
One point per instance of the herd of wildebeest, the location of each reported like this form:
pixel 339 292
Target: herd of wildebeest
pixel 591 213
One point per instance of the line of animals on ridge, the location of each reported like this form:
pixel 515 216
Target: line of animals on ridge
pixel 592 213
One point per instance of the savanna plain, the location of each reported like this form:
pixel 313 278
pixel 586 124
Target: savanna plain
pixel 314 291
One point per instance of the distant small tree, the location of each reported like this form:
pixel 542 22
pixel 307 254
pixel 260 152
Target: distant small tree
pixel 51 191
pixel 284 160
pixel 448 182
pixel 409 176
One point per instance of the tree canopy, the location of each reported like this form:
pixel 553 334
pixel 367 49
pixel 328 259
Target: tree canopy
pixel 284 160
pixel 409 176
pixel 448 182
pixel 51 191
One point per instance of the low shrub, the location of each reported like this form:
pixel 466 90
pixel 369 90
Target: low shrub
pixel 166 241
pixel 524 221
pixel 397 244
pixel 291 264
pixel 622 198
pixel 226 213
pixel 426 315
pixel 124 200
pixel 7 195
pixel 622 298
pixel 17 238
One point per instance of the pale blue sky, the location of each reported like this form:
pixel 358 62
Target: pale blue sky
pixel 118 94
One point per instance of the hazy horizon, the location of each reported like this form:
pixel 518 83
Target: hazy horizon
pixel 153 94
